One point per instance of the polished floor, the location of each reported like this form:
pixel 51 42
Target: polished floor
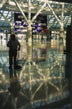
pixel 41 80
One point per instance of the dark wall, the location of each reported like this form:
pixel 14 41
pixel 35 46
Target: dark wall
pixel 66 1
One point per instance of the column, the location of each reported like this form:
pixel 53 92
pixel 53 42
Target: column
pixel 29 42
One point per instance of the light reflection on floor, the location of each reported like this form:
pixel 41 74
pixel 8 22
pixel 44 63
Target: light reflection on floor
pixel 40 81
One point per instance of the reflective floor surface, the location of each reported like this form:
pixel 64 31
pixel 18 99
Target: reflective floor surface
pixel 41 80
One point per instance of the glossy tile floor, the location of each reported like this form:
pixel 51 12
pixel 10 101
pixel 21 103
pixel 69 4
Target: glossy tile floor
pixel 41 80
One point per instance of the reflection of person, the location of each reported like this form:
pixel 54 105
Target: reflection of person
pixel 14 46
pixel 14 87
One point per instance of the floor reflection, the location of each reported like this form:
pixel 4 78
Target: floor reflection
pixel 14 85
pixel 40 81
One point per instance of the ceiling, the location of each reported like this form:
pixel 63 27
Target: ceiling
pixel 57 12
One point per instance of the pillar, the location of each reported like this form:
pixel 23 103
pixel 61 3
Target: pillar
pixel 29 42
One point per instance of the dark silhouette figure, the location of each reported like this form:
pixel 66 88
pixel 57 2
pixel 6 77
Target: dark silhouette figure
pixel 14 46
pixel 1 37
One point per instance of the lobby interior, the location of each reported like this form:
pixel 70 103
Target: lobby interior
pixel 43 80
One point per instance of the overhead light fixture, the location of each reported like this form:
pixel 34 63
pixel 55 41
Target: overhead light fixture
pixel 11 3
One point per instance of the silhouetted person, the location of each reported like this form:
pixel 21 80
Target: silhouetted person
pixel 1 37
pixel 14 46
pixel 42 38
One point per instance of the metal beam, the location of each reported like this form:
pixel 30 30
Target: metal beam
pixel 62 15
pixel 53 1
pixel 24 6
pixel 6 19
pixel 50 25
pixel 21 11
pixel 54 13
pixel 29 11
pixel 67 19
pixel 2 3
pixel 39 11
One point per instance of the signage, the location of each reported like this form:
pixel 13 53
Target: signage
pixel 37 26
